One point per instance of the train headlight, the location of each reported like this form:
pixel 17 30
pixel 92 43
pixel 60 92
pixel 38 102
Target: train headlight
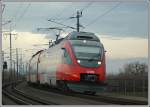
pixel 99 62
pixel 84 41
pixel 78 61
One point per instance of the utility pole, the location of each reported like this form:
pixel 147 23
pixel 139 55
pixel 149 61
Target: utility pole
pixel 11 71
pixel 22 71
pixel 79 14
pixel 14 71
pixel 17 62
pixel 20 67
pixel 1 40
pixel 10 43
pixel 3 67
pixel 26 71
pixel 78 23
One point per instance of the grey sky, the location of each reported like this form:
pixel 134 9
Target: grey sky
pixel 125 20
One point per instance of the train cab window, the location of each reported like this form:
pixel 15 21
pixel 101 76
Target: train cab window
pixel 66 56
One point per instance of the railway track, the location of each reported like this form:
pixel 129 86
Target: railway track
pixel 22 98
pixel 107 99
pixel 15 99
pixel 61 99
pixel 27 96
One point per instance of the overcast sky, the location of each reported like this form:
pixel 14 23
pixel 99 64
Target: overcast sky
pixel 124 19
pixel 121 26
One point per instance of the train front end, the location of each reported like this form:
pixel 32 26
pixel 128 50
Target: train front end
pixel 83 67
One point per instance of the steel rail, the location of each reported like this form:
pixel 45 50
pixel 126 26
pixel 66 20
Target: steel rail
pixel 104 98
pixel 39 100
pixel 25 99
pixel 15 99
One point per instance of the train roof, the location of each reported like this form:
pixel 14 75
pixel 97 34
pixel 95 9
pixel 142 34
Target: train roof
pixel 83 35
pixel 77 36
pixel 74 36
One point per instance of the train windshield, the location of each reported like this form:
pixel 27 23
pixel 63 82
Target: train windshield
pixel 87 52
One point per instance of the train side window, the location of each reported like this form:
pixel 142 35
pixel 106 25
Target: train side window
pixel 67 57
pixel 65 53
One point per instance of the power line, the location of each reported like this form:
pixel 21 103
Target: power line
pixel 57 17
pixel 79 14
pixel 13 18
pixel 84 8
pixel 60 14
pixel 87 6
pixel 25 10
pixel 62 24
pixel 23 13
pixel 16 13
pixel 81 10
pixel 3 7
pixel 100 16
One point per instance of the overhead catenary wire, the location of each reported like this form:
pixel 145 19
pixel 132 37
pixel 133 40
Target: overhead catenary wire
pixel 81 11
pixel 61 22
pixel 86 6
pixel 23 13
pixel 16 12
pixel 14 18
pixel 3 7
pixel 58 16
pixel 63 10
pixel 102 15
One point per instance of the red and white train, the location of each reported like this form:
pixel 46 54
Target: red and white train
pixel 76 62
